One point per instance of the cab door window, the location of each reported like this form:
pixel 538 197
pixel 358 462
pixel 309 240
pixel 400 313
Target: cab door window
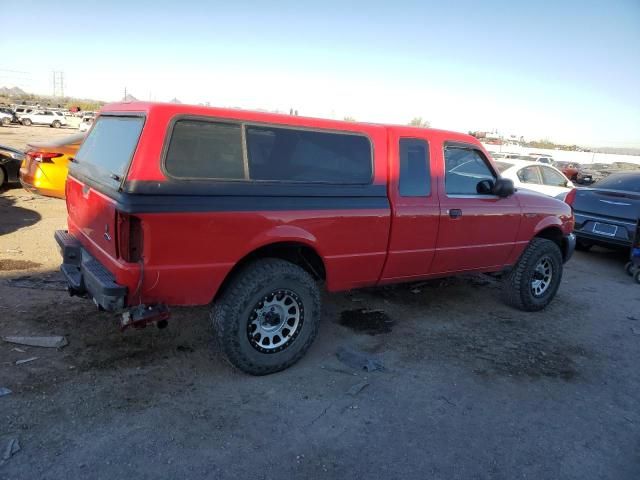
pixel 465 168
pixel 415 172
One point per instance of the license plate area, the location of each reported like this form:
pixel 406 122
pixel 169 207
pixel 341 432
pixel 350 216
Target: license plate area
pixel 605 229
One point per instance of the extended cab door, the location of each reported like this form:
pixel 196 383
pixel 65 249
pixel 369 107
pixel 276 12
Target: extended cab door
pixel 415 206
pixel 477 231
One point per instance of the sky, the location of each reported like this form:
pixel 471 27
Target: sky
pixel 566 70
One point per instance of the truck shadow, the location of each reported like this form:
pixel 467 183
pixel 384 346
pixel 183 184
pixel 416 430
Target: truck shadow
pixel 13 218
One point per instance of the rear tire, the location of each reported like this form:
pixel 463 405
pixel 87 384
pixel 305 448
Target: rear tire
pixel 636 277
pixel 629 268
pixel 2 177
pixel 6 121
pixel 535 279
pixel 26 122
pixel 253 320
pixel 55 124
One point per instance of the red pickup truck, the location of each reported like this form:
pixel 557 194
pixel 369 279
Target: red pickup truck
pixel 255 213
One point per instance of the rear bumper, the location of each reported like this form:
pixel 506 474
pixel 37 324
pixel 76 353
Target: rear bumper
pixel 86 277
pixel 584 230
pixel 568 246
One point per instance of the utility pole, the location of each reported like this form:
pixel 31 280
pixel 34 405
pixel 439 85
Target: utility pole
pixel 58 84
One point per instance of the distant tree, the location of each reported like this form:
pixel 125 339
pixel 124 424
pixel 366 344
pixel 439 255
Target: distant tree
pixel 419 122
pixel 349 119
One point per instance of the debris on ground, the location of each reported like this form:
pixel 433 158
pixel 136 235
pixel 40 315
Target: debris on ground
pixel 371 322
pixel 51 282
pixel 19 350
pixel 26 360
pixel 415 291
pixel 53 341
pixel 5 391
pixel 635 319
pixel 11 449
pixel 357 388
pixel 360 360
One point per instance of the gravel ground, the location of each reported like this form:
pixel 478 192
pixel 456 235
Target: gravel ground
pixel 470 389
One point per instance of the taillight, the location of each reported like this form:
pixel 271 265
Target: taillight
pixel 43 157
pixel 129 230
pixel 571 197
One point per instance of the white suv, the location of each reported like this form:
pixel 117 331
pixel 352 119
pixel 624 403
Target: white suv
pixel 44 117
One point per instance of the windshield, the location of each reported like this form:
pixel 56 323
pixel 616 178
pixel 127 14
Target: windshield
pixel 107 150
pixel 626 182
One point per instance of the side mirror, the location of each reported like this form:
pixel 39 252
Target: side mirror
pixel 503 187
pixel 485 187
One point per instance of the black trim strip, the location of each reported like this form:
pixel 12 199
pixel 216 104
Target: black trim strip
pixel 254 189
pixel 177 197
pixel 178 203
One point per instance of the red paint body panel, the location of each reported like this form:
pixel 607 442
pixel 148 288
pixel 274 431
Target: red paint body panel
pixel 187 255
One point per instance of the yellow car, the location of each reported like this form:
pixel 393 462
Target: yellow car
pixel 46 164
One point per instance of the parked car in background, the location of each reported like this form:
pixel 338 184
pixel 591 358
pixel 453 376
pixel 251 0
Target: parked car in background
pixel 293 205
pixel 534 176
pixel 607 212
pixel 44 117
pixel 10 160
pixel 5 119
pixel 24 110
pixel 46 165
pixel 568 169
pixel 9 111
pixel 86 122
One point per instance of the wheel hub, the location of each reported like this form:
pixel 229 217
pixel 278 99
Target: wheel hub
pixel 275 321
pixel 542 276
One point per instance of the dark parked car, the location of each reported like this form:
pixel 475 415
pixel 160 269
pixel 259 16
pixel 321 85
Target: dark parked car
pixel 10 160
pixel 607 213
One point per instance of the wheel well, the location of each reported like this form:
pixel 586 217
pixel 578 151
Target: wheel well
pixel 297 253
pixel 552 233
pixel 555 235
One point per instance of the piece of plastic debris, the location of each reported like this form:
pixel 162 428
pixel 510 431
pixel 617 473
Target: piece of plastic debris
pixel 26 360
pixel 5 391
pixel 360 360
pixel 357 388
pixel 19 350
pixel 11 449
pixel 415 291
pixel 56 341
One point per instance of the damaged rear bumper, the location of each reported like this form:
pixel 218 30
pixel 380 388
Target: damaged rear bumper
pixel 87 277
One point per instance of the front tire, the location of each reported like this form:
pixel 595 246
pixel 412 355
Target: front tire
pixel 535 279
pixel 26 122
pixel 55 124
pixel 267 317
pixel 6 121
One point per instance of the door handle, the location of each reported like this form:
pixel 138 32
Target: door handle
pixel 455 213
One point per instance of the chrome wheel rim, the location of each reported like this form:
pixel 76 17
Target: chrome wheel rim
pixel 275 321
pixel 542 276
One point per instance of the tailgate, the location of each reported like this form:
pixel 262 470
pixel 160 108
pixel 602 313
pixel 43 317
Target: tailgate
pixel 95 179
pixel 92 217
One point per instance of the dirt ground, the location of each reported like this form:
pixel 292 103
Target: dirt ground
pixel 471 389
